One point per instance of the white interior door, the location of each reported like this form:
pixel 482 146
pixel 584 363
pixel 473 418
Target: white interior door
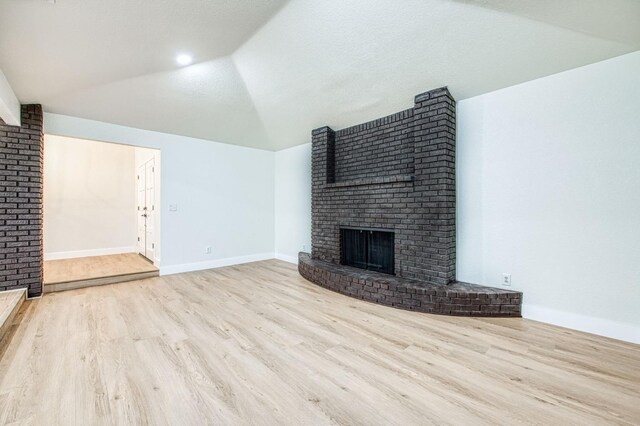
pixel 146 209
pixel 149 240
pixel 142 203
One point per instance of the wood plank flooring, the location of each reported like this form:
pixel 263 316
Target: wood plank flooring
pixel 69 274
pixel 257 344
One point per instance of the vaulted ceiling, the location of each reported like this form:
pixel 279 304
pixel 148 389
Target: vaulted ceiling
pixel 266 72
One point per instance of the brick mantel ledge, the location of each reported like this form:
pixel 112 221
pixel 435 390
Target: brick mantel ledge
pixel 372 181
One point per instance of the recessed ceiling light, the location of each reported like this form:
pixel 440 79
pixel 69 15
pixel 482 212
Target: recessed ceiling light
pixel 184 59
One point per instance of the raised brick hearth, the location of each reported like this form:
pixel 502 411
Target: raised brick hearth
pixel 396 175
pixel 454 299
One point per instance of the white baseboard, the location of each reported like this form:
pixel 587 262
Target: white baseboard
pixel 588 324
pixel 287 258
pixel 86 253
pixel 217 263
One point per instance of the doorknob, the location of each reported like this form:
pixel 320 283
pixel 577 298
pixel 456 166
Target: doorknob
pixel 144 215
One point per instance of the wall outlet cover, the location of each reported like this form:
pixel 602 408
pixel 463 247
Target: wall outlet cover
pixel 506 280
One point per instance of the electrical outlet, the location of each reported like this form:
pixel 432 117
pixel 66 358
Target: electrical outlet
pixel 173 207
pixel 207 250
pixel 506 280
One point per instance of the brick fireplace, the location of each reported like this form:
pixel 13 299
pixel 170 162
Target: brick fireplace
pixel 394 175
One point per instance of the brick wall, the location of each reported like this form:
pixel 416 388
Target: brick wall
pixel 381 147
pixel 21 161
pixel 398 173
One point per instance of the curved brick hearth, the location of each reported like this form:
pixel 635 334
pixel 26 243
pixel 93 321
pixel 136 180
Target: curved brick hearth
pixel 453 299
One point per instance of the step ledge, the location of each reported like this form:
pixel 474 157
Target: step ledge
pixel 98 281
pixel 11 310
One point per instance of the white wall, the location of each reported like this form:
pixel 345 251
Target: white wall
pixel 224 194
pixel 142 156
pixel 549 191
pixel 89 198
pixel 293 202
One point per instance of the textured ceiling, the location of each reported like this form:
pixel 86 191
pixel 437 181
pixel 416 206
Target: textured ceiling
pixel 267 72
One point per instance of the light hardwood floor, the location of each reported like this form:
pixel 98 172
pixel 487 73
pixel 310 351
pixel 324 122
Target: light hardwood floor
pixel 69 274
pixel 257 344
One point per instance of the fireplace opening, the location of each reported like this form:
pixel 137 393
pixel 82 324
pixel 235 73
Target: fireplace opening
pixel 367 249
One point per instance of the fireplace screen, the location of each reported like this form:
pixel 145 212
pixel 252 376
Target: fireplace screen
pixel 367 249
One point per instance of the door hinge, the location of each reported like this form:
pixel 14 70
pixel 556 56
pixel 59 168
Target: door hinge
pixel 138 177
pixel 153 245
pixel 138 239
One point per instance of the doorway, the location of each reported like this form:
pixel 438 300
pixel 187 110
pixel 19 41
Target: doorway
pixel 101 213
